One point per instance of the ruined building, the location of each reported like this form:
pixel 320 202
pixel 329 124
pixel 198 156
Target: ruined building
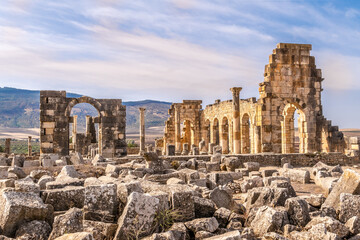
pixel 291 83
pixel 55 118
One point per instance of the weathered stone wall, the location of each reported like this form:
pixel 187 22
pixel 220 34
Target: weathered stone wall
pixel 296 159
pixel 292 84
pixel 55 110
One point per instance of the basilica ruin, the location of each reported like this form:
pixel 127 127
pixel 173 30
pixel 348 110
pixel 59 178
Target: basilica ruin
pixel 243 126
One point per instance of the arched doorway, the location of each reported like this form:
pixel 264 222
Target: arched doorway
pixel 225 135
pixel 215 132
pixel 84 129
pixel 293 136
pixel 245 133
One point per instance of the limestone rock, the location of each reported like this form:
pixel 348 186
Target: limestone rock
pixel 268 219
pixel 100 202
pixel 331 225
pixel 296 175
pixel 222 215
pixel 298 211
pixel 348 183
pixel 268 196
pixel 65 198
pixel 315 200
pixel 100 230
pixel 221 198
pixel 70 222
pixel 19 207
pixel 76 158
pixel 44 180
pixel 204 207
pixel 76 236
pixel 37 174
pixel 349 206
pixel 353 224
pixel 68 171
pixel 18 171
pixel 183 202
pixel 252 166
pixel 202 224
pixel 34 230
pixel 138 215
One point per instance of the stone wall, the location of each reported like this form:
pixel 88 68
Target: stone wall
pixel 55 117
pixel 292 84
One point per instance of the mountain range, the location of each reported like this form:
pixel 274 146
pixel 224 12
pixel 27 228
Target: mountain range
pixel 19 108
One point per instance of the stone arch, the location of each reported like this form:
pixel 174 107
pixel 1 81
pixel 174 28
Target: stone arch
pixel 225 135
pixel 215 132
pixel 245 134
pixel 84 99
pixel 288 129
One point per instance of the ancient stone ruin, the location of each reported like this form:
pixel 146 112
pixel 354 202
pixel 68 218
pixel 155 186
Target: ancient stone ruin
pixel 55 109
pixel 291 83
pixel 228 173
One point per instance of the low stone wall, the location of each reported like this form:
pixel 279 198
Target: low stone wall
pixel 296 159
pixel 133 150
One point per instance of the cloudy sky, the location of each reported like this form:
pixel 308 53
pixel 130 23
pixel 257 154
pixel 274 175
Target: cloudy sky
pixel 177 49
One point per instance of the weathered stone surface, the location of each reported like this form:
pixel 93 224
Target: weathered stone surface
pixel 252 166
pixel 296 175
pixel 76 236
pixel 34 230
pixel 268 219
pixel 315 200
pixel 27 186
pixel 44 180
pixel 174 181
pixel 251 183
pixel 70 222
pixel 212 166
pixel 222 215
pixel 298 211
pixel 18 171
pixel 221 178
pixel 100 230
pixel 348 183
pixel 4 183
pixel 76 158
pixel 204 207
pixel 153 162
pixel 37 174
pixel 202 224
pixel 19 207
pixel 183 202
pixel 180 231
pixel 353 224
pixel 233 235
pixel 68 172
pixel 98 159
pixel 273 236
pixel 125 189
pixel 268 172
pixel 331 225
pixel 101 199
pixel 268 196
pixel 138 215
pixel 349 206
pixel 65 198
pixel 284 184
pixel 221 197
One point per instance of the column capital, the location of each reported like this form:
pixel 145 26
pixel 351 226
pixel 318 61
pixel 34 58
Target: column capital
pixel 236 90
pixel 142 109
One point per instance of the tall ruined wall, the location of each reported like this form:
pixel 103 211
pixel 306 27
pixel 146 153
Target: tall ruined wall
pixel 55 111
pixel 292 85
pixel 292 82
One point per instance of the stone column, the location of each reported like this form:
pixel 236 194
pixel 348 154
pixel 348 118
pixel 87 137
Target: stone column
pixel 7 145
pixel 74 130
pixel 88 125
pixel 177 129
pixel 236 119
pixel 142 129
pixel 29 146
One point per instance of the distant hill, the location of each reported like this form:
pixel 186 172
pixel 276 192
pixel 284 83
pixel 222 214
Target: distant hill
pixel 19 108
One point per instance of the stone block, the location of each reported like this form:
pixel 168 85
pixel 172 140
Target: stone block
pixel 348 183
pixel 65 198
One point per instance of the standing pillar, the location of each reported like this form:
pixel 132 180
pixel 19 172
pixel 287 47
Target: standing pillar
pixel 177 129
pixel 74 130
pixel 7 145
pixel 236 119
pixel 142 129
pixel 29 146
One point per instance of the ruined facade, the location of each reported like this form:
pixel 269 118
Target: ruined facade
pixel 292 83
pixel 55 117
